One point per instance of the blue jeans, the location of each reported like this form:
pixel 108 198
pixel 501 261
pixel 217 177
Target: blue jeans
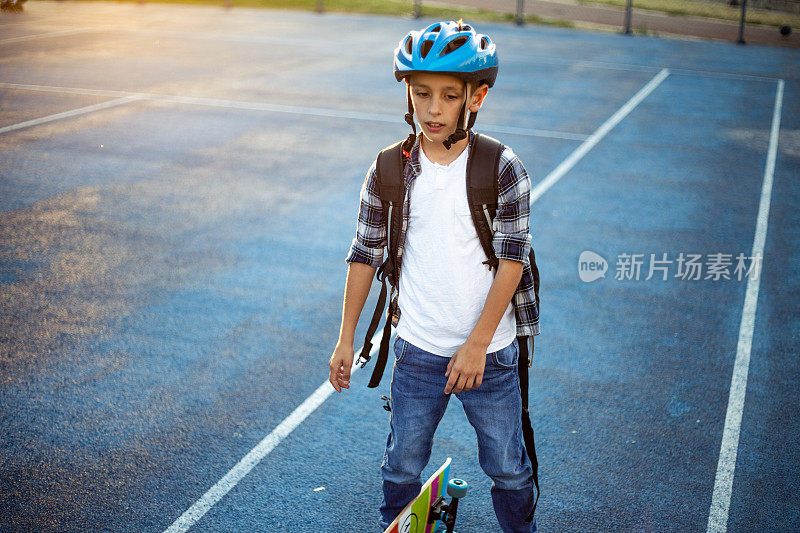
pixel 494 409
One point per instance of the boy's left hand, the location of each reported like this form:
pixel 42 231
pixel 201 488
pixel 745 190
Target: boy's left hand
pixel 465 369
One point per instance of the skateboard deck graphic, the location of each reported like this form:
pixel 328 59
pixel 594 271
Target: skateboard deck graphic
pixel 414 518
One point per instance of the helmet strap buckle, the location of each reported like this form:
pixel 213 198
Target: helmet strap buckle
pixel 460 132
pixel 410 115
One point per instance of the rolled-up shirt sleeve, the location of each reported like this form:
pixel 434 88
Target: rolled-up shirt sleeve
pixel 512 239
pixel 370 240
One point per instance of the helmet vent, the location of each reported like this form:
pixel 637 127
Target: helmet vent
pixel 484 43
pixel 409 41
pixel 454 45
pixel 438 27
pixel 426 47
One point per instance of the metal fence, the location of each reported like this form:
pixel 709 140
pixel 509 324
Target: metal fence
pixel 785 6
pixel 629 20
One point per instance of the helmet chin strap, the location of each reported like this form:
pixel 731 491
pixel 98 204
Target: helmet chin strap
pixel 460 132
pixel 408 144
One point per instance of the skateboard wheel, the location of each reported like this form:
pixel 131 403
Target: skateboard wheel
pixel 457 488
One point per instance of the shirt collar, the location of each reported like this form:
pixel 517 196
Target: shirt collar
pixel 416 167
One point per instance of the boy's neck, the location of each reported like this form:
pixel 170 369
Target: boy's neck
pixel 437 153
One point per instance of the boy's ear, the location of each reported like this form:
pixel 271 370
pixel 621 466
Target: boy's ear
pixel 478 96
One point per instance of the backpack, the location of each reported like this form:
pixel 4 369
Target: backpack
pixel 482 191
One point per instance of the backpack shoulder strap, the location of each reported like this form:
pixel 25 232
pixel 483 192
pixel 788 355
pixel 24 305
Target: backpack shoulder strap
pixel 390 170
pixel 391 185
pixel 482 190
pixel 390 173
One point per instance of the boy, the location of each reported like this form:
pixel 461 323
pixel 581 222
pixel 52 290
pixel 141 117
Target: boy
pixel 458 321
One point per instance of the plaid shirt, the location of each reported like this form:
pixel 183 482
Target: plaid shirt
pixel 511 238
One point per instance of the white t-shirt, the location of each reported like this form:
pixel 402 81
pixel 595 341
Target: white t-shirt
pixel 443 283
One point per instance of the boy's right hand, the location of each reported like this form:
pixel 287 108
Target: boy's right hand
pixel 340 364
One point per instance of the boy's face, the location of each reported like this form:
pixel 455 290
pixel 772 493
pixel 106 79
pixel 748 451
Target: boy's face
pixel 437 100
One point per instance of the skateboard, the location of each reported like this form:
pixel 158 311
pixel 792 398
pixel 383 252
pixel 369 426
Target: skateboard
pixel 423 513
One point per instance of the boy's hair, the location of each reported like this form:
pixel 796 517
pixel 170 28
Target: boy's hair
pixel 452 48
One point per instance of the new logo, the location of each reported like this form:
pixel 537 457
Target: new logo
pixel 591 266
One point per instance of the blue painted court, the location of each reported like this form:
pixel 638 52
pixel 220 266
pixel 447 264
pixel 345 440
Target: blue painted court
pixel 178 191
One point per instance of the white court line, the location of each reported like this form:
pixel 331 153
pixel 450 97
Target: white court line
pixel 274 108
pixel 528 132
pixel 267 444
pixel 235 474
pixel 528 59
pixel 65 90
pixel 723 483
pixel 40 35
pixel 70 113
pixel 633 67
pixel 595 137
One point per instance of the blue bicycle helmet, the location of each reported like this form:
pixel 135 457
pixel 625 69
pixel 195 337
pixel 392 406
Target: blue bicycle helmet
pixel 452 48
pixel 448 48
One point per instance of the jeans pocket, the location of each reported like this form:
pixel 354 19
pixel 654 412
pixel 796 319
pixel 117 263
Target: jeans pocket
pixel 400 349
pixel 507 357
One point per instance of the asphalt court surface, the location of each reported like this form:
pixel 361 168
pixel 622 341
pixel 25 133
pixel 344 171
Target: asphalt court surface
pixel 171 270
